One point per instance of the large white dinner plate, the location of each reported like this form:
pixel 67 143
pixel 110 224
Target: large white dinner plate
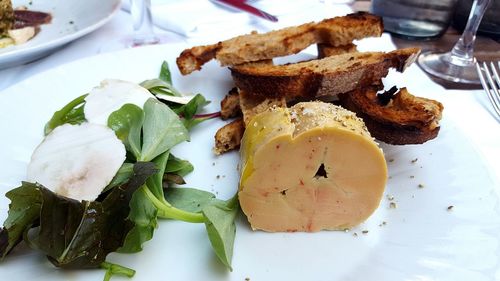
pixel 420 240
pixel 71 19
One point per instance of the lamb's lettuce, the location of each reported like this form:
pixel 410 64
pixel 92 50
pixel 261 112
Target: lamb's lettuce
pixel 71 233
pixel 76 234
pixel 71 113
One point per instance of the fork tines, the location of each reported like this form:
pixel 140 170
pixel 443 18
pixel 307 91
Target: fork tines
pixel 490 80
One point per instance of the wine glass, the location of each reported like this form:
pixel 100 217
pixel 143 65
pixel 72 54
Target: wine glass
pixel 458 65
pixel 142 24
pixel 143 33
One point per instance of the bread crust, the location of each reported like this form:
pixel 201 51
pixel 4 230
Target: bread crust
pixel 229 137
pixel 322 77
pixel 230 105
pixel 291 40
pixel 406 119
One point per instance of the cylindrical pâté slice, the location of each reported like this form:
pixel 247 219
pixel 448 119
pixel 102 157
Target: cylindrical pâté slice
pixel 311 167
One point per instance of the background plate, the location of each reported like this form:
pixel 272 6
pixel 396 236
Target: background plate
pixel 420 240
pixel 71 19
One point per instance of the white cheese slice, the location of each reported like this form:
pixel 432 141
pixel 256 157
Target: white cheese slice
pixel 77 161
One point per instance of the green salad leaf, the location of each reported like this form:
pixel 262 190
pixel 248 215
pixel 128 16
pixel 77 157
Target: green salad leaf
pixel 221 228
pixel 71 113
pixel 24 211
pixel 127 123
pixel 163 84
pixel 74 234
pixel 162 130
pixel 165 74
pixel 189 199
pixel 80 234
pixel 116 269
pixel 122 176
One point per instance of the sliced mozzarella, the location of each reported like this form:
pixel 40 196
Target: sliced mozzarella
pixel 175 99
pixel 77 161
pixel 110 96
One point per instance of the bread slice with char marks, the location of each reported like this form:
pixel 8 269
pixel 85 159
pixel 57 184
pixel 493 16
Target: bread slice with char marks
pixel 321 77
pixel 291 40
pixel 405 119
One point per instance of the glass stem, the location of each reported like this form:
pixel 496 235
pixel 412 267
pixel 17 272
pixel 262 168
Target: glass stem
pixel 142 22
pixel 463 51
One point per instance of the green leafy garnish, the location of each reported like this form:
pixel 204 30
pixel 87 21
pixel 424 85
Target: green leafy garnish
pixel 72 113
pixel 161 130
pixel 24 210
pixel 221 229
pixel 127 123
pixel 116 269
pixel 73 234
pixel 80 234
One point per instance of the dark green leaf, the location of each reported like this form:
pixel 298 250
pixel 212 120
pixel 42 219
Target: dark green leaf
pixel 127 123
pixel 160 87
pixel 116 269
pixel 162 130
pixel 71 113
pixel 142 211
pixel 221 229
pixel 77 234
pixel 188 110
pixel 24 210
pixel 165 74
pixel 189 199
pixel 178 166
pixel 144 216
pixel 125 172
pixel 163 85
pixel 155 183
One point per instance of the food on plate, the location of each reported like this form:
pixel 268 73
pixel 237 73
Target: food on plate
pixel 19 25
pixel 321 77
pixel 311 167
pixel 252 47
pixel 229 136
pixel 109 97
pixel 299 166
pixel 399 119
pixel 104 174
pixel 99 152
pixel 6 16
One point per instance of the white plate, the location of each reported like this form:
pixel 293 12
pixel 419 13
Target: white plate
pixel 71 19
pixel 421 239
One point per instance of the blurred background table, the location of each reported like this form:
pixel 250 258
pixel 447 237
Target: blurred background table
pixel 485 48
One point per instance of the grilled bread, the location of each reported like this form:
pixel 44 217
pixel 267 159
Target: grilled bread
pixel 256 47
pixel 403 119
pixel 322 77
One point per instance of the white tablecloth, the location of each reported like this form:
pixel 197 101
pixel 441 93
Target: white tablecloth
pixel 470 110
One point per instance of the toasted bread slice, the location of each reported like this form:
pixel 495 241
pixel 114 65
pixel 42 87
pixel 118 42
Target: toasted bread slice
pixel 230 105
pixel 326 50
pixel 229 137
pixel 252 105
pixel 291 40
pixel 322 77
pixel 405 119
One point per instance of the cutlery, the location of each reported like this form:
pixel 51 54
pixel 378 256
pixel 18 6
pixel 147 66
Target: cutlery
pixel 243 6
pixel 491 82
